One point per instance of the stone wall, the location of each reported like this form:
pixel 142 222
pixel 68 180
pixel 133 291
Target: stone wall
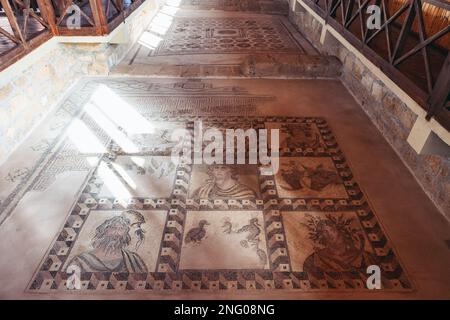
pixel 386 110
pixel 31 87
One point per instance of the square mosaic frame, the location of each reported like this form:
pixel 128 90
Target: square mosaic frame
pixel 201 35
pixel 166 277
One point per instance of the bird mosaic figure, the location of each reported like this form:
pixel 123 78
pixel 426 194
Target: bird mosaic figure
pixel 302 136
pixel 314 178
pixel 196 235
pixel 254 230
pixel 293 176
pixel 321 177
pixel 227 226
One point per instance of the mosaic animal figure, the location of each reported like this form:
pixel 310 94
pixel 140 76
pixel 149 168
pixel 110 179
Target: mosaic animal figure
pixel 196 235
pixel 227 226
pixel 293 177
pixel 254 230
pixel 302 137
pixel 320 177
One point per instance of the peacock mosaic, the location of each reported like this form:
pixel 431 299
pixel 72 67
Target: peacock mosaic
pixel 146 221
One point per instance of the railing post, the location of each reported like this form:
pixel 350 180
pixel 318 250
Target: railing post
pixel 406 28
pixel 348 12
pixel 438 97
pixel 101 23
pixel 48 13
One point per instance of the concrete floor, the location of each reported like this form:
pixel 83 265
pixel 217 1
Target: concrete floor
pixel 43 194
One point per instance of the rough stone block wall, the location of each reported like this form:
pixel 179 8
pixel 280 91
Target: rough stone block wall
pixel 26 97
pixel 310 27
pixel 386 110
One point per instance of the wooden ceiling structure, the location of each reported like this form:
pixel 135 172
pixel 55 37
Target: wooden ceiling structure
pixel 25 24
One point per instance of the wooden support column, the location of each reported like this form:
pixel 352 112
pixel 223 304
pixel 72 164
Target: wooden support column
pixel 101 23
pixel 48 14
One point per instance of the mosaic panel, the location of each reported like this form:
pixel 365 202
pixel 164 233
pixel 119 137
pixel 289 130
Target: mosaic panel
pixel 309 177
pixel 135 256
pixel 226 35
pixel 224 182
pixel 235 240
pixel 338 247
pixel 173 225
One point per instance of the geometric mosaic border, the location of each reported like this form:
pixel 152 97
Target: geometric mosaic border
pixel 49 277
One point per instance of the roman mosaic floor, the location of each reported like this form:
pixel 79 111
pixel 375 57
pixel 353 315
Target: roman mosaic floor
pixel 101 200
pixel 199 38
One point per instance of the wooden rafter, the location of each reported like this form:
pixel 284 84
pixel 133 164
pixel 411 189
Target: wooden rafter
pixel 13 22
pixel 8 35
pixel 49 15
